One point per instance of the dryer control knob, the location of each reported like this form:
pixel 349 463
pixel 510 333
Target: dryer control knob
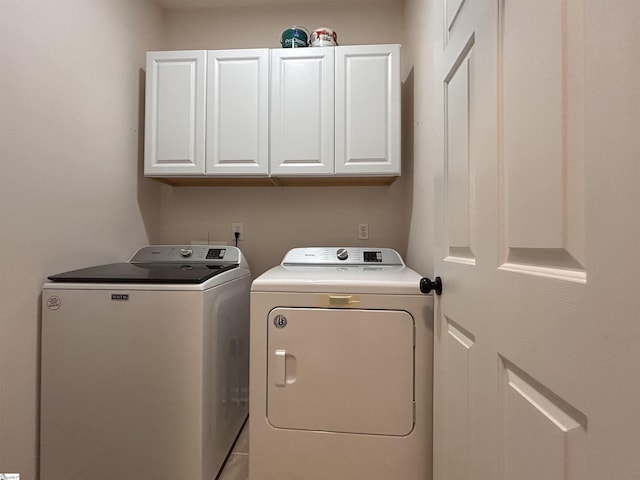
pixel 342 254
pixel 186 252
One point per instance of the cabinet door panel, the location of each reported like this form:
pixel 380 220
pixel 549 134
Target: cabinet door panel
pixel 175 113
pixel 368 110
pixel 302 111
pixel 237 112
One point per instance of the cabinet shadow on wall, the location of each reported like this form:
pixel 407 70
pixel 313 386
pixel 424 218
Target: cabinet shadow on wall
pixel 408 142
pixel 148 190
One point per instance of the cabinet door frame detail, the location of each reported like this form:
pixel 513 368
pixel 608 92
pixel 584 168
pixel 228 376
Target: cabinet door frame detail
pixel 368 118
pixel 238 144
pixel 174 129
pixel 302 80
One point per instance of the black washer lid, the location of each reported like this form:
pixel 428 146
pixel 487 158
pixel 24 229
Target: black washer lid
pixel 156 273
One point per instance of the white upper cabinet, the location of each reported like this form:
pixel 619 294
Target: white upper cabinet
pixel 302 111
pixel 207 113
pixel 175 113
pixel 335 111
pixel 283 113
pixel 238 112
pixel 367 128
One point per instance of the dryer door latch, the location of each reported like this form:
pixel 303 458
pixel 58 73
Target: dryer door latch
pixel 426 285
pixel 285 369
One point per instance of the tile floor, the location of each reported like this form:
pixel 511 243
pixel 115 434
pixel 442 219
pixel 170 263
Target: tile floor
pixel 237 466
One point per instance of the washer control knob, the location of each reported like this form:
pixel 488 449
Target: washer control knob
pixel 342 254
pixel 186 252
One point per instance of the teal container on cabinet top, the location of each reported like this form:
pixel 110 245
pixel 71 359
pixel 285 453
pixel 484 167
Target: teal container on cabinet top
pixel 294 37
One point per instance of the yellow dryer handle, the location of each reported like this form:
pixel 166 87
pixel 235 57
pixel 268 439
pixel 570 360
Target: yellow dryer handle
pixel 333 301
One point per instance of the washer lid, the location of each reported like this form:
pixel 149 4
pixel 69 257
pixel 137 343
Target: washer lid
pixel 154 273
pixel 163 264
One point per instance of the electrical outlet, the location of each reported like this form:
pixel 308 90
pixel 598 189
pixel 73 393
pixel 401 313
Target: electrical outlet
pixel 363 231
pixel 237 227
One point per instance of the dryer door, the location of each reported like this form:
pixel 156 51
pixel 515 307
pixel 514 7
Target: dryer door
pixel 341 370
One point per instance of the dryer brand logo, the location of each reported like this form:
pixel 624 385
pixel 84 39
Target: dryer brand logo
pixel 280 321
pixel 119 296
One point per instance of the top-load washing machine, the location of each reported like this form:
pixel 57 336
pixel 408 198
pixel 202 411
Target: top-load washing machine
pixel 340 368
pixel 144 365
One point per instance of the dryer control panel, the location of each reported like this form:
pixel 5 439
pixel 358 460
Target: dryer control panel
pixel 342 256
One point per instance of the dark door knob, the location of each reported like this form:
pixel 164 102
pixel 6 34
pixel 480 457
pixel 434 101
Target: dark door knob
pixel 426 285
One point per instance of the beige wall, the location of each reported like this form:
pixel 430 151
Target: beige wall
pixel 70 151
pixel 371 21
pixel 278 218
pixel 420 141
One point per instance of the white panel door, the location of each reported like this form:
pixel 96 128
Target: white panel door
pixel 175 113
pixel 302 111
pixel 341 370
pixel 237 112
pixel 537 338
pixel 368 110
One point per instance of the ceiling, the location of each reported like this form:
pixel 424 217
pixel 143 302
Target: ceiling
pixel 246 3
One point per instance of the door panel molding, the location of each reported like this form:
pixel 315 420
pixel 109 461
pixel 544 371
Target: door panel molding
pixel 543 436
pixel 545 262
pixel 541 137
pixel 454 393
pixel 452 9
pixel 458 168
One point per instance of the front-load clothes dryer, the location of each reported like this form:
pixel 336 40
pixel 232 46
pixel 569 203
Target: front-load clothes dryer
pixel 340 368
pixel 145 365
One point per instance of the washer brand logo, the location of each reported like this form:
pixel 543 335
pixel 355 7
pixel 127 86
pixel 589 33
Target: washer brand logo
pixel 53 303
pixel 119 296
pixel 280 321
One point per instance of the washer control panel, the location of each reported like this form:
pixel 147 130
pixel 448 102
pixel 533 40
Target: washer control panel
pixel 342 256
pixel 191 253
